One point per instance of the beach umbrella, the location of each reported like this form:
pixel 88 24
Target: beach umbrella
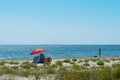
pixel 35 51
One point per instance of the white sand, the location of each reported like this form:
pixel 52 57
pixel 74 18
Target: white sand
pixel 68 64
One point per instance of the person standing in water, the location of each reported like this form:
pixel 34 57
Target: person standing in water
pixel 99 52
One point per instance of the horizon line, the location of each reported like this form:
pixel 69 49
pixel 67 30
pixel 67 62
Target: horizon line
pixel 51 44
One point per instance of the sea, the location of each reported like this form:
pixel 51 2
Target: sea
pixel 57 51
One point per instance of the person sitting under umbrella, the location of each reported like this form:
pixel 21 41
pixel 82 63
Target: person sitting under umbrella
pixel 42 58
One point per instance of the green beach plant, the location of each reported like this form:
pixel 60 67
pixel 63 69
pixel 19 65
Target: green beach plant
pixel 117 72
pixel 47 64
pixel 67 61
pixel 115 65
pixel 75 66
pixel 51 70
pixel 14 62
pixel 2 63
pixel 101 63
pixel 72 63
pixel 59 63
pixel 54 65
pixel 106 60
pixel 74 59
pixel 28 65
pixel 86 60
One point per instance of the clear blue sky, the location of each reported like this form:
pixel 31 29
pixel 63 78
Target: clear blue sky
pixel 59 21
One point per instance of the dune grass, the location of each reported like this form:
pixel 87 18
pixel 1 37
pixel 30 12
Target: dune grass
pixel 58 71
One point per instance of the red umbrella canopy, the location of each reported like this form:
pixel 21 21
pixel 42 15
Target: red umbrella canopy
pixel 37 51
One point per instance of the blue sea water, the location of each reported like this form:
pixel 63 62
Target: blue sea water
pixel 57 51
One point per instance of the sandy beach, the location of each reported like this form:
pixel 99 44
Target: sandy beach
pixel 88 62
pixel 92 63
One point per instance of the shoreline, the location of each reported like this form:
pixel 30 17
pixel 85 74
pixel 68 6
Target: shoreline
pixel 66 58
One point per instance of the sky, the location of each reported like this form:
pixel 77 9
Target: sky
pixel 59 21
